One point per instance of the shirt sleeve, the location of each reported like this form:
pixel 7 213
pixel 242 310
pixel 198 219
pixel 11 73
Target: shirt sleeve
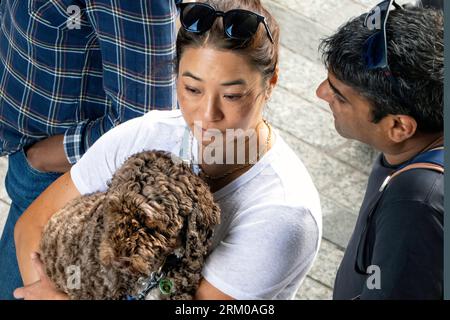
pixel 137 43
pixel 265 251
pixel 408 251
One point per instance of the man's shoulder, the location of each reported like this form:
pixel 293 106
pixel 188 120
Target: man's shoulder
pixel 419 184
pixel 416 191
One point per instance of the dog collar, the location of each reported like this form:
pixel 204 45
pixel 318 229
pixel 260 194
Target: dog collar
pixel 158 278
pixel 147 284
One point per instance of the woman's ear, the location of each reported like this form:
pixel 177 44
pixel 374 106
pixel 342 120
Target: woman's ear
pixel 272 82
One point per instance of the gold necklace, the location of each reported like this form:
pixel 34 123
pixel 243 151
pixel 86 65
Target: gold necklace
pixel 246 165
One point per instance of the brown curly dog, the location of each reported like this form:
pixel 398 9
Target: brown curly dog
pixel 155 222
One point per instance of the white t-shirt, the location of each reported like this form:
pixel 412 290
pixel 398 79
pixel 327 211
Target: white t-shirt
pixel 271 223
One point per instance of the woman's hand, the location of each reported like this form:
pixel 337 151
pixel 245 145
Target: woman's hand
pixel 43 289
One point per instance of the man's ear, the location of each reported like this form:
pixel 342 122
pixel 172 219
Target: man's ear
pixel 272 82
pixel 400 127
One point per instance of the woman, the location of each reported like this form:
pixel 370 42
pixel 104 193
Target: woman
pixel 270 226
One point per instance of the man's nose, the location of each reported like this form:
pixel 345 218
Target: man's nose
pixel 323 91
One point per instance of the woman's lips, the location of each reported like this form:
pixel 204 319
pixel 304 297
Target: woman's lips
pixel 212 131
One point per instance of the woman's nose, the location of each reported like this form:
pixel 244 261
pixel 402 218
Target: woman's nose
pixel 212 110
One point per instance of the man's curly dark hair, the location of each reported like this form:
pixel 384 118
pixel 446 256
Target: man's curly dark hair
pixel 416 58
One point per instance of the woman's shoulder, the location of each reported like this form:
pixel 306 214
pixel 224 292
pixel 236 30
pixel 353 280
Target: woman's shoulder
pixel 151 121
pixel 167 117
pixel 285 187
pixel 291 177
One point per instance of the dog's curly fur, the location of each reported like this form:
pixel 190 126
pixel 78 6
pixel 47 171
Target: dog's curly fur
pixel 152 207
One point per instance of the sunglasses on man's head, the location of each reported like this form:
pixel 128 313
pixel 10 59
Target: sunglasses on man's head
pixel 238 24
pixel 375 47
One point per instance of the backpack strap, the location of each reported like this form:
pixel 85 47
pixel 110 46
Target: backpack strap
pixel 432 160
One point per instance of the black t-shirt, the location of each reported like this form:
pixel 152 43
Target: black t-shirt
pixel 405 238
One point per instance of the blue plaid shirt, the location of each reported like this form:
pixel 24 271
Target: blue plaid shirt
pixel 82 75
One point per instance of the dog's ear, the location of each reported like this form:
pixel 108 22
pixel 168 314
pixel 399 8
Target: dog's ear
pixel 133 237
pixel 201 223
pixel 206 211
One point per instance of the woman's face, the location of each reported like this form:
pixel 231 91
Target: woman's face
pixel 219 90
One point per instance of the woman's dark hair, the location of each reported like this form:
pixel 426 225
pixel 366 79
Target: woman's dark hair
pixel 261 53
pixel 415 56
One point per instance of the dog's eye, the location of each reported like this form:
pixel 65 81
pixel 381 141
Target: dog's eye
pixel 159 200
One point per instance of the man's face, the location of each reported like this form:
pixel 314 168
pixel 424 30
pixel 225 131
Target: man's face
pixel 351 111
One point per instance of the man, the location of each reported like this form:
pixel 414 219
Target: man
pixel 393 101
pixel 70 71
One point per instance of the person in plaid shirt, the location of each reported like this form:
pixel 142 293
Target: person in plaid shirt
pixel 70 71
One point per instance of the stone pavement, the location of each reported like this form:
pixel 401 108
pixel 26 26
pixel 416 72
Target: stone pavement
pixel 339 167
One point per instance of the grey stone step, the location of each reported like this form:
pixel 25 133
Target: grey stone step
pixel 327 262
pixel 301 77
pixel 335 179
pixel 303 119
pixel 298 33
pixel 313 290
pixel 330 14
pixel 338 222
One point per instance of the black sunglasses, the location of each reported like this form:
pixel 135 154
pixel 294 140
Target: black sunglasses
pixel 238 24
pixel 375 47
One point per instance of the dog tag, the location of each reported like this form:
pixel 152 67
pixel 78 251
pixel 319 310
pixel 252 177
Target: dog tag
pixel 166 286
pixel 143 283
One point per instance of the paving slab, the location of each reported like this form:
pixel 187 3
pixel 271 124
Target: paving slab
pixel 298 33
pixel 337 180
pixel 327 262
pixel 303 119
pixel 348 190
pixel 313 290
pixel 300 76
pixel 358 155
pixel 338 222
pixel 328 13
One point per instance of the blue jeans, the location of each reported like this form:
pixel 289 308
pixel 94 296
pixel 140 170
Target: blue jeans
pixel 23 184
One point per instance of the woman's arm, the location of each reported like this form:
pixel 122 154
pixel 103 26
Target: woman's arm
pixel 28 230
pixel 206 291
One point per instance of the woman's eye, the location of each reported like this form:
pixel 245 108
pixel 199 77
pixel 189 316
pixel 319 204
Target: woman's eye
pixel 233 97
pixel 192 90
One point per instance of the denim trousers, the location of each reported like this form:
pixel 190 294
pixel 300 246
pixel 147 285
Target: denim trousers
pixel 23 184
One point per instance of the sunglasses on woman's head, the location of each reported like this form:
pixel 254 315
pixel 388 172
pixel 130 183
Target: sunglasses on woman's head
pixel 238 24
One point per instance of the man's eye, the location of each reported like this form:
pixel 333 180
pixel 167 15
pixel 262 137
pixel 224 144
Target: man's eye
pixel 339 98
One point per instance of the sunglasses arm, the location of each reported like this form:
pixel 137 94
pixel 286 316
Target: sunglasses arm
pixel 268 30
pixel 397 6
